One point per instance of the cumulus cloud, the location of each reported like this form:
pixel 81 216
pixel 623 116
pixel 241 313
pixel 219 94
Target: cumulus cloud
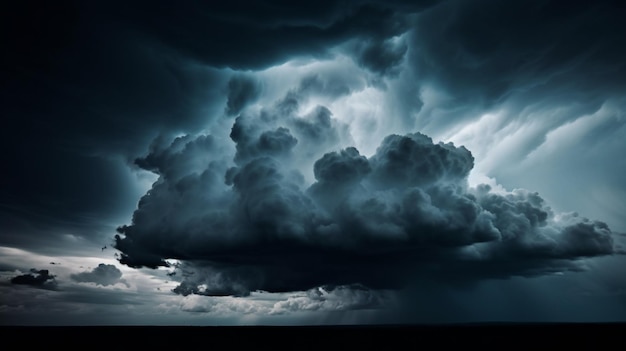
pixel 37 278
pixel 251 220
pixel 153 76
pixel 414 161
pixel 104 274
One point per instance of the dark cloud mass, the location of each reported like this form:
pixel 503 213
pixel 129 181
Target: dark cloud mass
pixel 243 34
pixel 307 147
pixel 96 81
pixel 382 56
pixel 413 160
pixel 242 90
pixel 252 222
pixel 38 278
pixel 483 53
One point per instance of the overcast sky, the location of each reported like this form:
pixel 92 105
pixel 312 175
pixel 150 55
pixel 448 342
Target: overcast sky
pixel 248 162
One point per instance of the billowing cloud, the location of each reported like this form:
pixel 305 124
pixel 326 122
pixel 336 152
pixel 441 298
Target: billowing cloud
pixel 332 148
pixel 144 78
pixel 252 221
pixel 38 278
pixel 104 274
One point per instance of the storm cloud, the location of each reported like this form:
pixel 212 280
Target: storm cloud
pixel 254 222
pixel 327 153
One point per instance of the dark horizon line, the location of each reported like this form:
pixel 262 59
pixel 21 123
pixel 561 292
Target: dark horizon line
pixel 329 326
pixel 490 335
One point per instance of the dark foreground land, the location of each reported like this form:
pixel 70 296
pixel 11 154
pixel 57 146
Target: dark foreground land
pixel 386 337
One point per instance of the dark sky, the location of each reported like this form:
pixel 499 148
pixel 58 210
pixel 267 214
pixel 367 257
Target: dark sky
pixel 326 162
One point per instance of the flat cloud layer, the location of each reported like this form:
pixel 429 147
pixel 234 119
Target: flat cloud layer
pixel 242 218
